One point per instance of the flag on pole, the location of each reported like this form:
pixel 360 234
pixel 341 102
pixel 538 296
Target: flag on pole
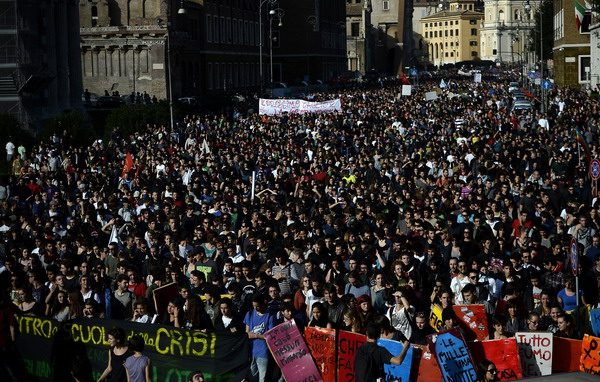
pixel 579 14
pixel 128 165
pixel 581 140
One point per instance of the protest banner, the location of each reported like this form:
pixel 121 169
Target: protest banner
pixel 406 90
pixel 535 352
pixel 348 344
pixel 566 355
pixel 430 96
pixel 175 353
pixel 503 353
pixel 477 78
pixel 297 106
pixel 162 295
pixel 473 320
pixel 400 373
pixel 428 369
pixel 595 321
pixel 435 317
pixel 453 356
pixel 590 355
pixel 291 353
pixel 321 343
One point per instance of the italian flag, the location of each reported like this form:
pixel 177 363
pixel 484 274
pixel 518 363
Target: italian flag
pixel 579 13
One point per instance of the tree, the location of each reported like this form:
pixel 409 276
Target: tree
pixel 547 13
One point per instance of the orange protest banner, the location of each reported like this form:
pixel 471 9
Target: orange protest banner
pixel 504 354
pixel 473 320
pixel 566 355
pixel 348 346
pixel 321 343
pixel 590 355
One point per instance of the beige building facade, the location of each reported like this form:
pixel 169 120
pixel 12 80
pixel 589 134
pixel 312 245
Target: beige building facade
pixel 452 35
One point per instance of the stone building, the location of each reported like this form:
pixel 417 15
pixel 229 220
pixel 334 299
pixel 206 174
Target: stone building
pixel 389 20
pixel 40 70
pixel 505 31
pixel 452 34
pixel 359 35
pixel 571 48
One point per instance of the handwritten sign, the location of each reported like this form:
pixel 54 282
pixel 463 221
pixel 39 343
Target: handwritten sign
pixel 279 106
pixel 428 369
pixel 347 347
pixel 406 90
pixel 453 356
pixel 473 320
pixel 291 353
pixel 321 343
pixel 503 353
pixel 397 372
pixel 595 321
pixel 590 355
pixel 431 96
pixel 535 352
pixel 435 318
pixel 566 355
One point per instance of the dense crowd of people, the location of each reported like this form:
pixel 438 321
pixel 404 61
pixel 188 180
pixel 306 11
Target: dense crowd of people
pixel 372 214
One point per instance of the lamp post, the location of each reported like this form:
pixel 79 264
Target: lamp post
pixel 278 13
pixel 180 11
pixel 260 40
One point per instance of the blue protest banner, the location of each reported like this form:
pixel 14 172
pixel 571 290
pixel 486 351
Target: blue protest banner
pixel 453 356
pixel 595 319
pixel 397 373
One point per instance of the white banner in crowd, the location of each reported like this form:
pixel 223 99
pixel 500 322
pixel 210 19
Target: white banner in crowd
pixel 299 106
pixel 535 352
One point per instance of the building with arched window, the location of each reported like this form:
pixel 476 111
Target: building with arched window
pixel 505 30
pixel 452 34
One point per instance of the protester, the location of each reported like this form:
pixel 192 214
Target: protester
pixel 117 355
pixel 137 365
pixel 370 357
pixel 393 206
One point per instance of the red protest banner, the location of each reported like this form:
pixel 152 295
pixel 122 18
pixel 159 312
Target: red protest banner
pixel 473 320
pixel 504 354
pixel 321 343
pixel 428 368
pixel 566 355
pixel 590 355
pixel 347 347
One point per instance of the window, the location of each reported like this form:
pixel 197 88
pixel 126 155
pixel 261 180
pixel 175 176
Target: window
pixel 354 29
pixel 473 43
pixel 446 33
pixel 473 32
pixel 94 16
pixel 456 32
pixel 386 5
pixel 474 53
pixel 451 32
pixel 585 25
pixel 473 22
pixel 210 76
pixel 584 69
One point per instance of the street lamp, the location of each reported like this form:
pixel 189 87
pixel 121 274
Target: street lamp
pixel 277 12
pixel 180 11
pixel 260 39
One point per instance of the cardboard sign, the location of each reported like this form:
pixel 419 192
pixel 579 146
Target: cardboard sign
pixel 347 347
pixel 430 96
pixel 453 356
pixel 566 356
pixel 435 318
pixel 291 353
pixel 473 320
pixel 535 351
pixel 590 355
pixel 428 369
pixel 321 343
pixel 397 372
pixel 162 296
pixel 477 77
pixel 503 353
pixel 406 90
pixel 595 321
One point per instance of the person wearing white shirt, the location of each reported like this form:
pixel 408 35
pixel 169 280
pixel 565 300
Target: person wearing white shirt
pixel 456 285
pixel 10 151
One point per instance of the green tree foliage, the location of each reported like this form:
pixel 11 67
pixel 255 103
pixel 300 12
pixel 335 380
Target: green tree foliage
pixel 547 29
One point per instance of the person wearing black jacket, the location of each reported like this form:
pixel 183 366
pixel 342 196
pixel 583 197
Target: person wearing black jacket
pixel 227 320
pixel 370 357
